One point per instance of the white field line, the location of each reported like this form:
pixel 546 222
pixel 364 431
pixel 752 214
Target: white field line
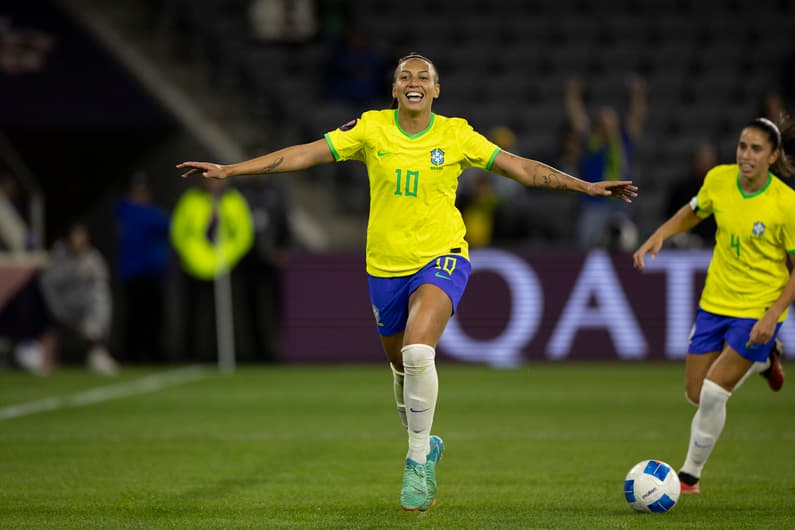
pixel 144 385
pixel 364 436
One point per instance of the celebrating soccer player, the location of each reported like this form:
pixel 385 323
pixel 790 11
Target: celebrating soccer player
pixel 417 259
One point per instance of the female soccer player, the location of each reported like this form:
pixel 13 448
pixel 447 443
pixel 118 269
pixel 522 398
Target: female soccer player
pixel 748 287
pixel 416 256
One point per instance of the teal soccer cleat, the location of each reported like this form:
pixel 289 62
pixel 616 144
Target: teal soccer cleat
pixel 434 455
pixel 414 493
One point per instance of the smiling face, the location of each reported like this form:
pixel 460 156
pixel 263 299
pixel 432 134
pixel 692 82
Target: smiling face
pixel 755 153
pixel 416 84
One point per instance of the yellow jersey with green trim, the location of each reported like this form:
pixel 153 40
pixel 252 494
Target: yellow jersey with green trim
pixel 756 233
pixel 413 183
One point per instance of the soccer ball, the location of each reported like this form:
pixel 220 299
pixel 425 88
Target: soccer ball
pixel 652 486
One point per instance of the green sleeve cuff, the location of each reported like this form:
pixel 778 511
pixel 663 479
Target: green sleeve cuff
pixel 334 152
pixel 492 157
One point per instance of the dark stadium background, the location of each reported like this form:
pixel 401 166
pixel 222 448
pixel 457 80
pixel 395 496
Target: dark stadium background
pixel 100 106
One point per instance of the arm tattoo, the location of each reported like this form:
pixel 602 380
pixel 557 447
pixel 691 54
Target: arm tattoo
pixel 542 177
pixel 276 163
pixel 549 180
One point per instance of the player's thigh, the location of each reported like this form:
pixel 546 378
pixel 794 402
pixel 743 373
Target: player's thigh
pixel 429 310
pixel 697 366
pixel 707 340
pixel 728 368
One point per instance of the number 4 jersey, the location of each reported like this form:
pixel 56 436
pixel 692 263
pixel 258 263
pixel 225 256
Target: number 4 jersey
pixel 413 184
pixel 756 233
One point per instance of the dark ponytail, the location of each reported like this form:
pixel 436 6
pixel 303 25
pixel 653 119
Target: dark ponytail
pixel 781 136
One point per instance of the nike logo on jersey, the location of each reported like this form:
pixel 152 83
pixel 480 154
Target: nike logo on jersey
pixel 383 153
pixel 442 276
pixel 415 410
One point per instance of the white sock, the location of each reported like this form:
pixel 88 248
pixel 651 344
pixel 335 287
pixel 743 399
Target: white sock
pixel 398 379
pixel 420 389
pixel 706 427
pixel 756 368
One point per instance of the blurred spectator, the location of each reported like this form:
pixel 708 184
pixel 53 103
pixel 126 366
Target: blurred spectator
pixel 479 208
pixel 211 230
pixel 773 107
pixel 357 71
pixel 283 20
pixel 607 152
pixel 684 189
pixel 22 50
pixel 500 211
pixel 76 287
pixel 25 321
pixel 261 268
pixel 570 151
pixel 621 234
pixel 493 211
pixel 505 138
pixel 14 233
pixel 143 253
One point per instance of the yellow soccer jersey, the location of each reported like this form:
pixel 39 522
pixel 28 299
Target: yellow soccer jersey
pixel 413 183
pixel 756 232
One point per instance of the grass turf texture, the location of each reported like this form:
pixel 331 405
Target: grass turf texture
pixel 544 446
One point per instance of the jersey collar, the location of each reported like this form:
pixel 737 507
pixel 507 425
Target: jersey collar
pixel 417 135
pixel 757 192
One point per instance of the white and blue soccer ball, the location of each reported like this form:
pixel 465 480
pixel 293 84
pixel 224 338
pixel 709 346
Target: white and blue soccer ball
pixel 652 486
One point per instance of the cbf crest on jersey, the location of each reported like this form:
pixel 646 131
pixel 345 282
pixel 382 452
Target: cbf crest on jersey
pixel 437 157
pixel 759 228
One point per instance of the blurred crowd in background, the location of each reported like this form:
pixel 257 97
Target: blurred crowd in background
pixel 643 92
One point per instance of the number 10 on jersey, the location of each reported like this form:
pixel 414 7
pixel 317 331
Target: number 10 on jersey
pixel 406 184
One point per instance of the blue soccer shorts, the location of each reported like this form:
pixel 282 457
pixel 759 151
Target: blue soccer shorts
pixel 710 331
pixel 390 296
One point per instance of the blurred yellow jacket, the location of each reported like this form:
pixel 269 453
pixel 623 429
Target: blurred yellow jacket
pixel 211 233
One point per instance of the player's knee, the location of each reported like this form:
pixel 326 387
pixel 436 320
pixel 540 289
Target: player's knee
pixel 417 357
pixel 693 394
pixel 713 395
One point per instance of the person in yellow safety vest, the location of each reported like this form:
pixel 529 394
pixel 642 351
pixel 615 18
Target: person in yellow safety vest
pixel 211 229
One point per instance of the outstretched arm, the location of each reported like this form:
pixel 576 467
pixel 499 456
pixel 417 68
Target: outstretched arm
pixel 293 158
pixel 765 327
pixel 534 174
pixel 682 221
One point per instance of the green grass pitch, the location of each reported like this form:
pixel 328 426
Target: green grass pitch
pixel 543 446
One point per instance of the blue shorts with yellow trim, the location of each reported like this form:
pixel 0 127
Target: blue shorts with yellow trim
pixel 711 331
pixel 390 296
